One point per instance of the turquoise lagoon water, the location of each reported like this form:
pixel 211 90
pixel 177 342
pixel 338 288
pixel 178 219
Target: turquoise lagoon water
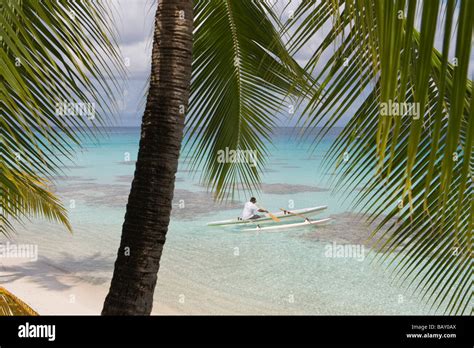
pixel 213 270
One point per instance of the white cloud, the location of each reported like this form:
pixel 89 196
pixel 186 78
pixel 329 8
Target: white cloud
pixel 137 57
pixel 134 20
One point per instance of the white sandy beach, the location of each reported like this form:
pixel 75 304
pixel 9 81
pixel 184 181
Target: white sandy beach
pixel 75 296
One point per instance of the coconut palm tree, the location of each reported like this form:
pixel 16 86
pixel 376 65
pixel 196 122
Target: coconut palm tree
pixel 149 202
pixel 417 167
pixel 238 60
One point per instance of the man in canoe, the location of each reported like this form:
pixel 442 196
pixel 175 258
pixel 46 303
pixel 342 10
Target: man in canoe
pixel 251 209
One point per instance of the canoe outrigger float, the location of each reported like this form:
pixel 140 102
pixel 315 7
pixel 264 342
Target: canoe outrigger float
pixel 306 223
pixel 270 218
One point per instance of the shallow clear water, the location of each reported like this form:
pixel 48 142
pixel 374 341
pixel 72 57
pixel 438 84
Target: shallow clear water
pixel 214 270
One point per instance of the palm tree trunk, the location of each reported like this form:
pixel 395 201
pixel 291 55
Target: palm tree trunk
pixel 149 203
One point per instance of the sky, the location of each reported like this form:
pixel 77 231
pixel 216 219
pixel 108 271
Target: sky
pixel 134 22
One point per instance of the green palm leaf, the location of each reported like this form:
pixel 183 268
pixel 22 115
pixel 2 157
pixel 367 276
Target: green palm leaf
pixel 51 57
pixel 417 169
pixel 242 73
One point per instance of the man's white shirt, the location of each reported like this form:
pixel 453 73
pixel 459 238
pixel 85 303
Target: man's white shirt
pixel 250 209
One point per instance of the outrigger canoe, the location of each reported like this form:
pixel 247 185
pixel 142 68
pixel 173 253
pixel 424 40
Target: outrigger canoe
pixel 306 223
pixel 267 219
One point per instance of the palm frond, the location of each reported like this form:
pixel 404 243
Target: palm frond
pixel 12 305
pixel 414 167
pixel 55 88
pixel 242 73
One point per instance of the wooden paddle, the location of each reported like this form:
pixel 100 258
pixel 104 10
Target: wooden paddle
pixel 274 218
pixel 292 213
